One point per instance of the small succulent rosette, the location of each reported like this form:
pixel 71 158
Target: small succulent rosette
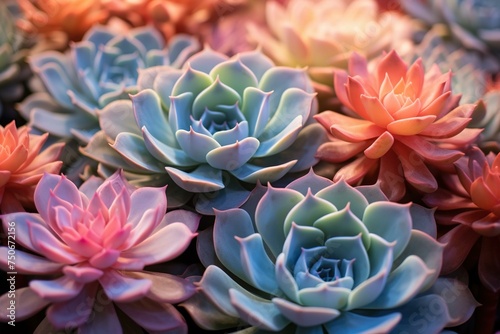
pixel 468 207
pixel 93 244
pixel 102 68
pixel 13 69
pixel 322 34
pixel 402 124
pixel 212 128
pixel 474 23
pixel 324 257
pixel 23 161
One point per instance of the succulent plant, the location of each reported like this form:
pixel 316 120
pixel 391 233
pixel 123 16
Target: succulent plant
pixel 71 18
pixel 468 204
pixel 323 34
pixel 402 123
pixel 475 23
pixel 214 126
pixel 471 70
pixel 102 68
pixel 13 69
pixel 96 241
pixel 22 164
pixel 319 256
pixel 171 17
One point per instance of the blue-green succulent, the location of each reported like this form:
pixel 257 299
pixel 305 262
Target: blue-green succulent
pixel 324 257
pixel 103 67
pixel 474 23
pixel 212 127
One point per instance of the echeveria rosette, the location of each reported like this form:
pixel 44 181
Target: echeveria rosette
pixel 322 34
pixel 23 161
pixel 214 126
pixel 94 243
pixel 103 67
pixel 324 257
pixel 468 204
pixel 474 23
pixel 402 125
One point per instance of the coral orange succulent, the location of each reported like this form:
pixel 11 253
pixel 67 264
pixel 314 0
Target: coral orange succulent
pixel 402 124
pixel 71 17
pixel 22 165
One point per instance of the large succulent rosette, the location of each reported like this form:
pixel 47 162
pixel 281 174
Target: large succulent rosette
pixel 401 126
pixel 324 257
pixel 322 34
pixel 214 126
pixel 93 243
pixel 475 23
pixel 102 68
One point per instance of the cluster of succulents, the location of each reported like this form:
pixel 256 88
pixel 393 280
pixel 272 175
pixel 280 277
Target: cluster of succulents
pixel 250 166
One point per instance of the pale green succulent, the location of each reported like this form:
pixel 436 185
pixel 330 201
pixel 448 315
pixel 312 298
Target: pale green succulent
pixel 216 125
pixel 324 257
pixel 103 67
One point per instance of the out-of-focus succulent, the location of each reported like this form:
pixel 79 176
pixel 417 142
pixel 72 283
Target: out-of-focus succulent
pixel 489 121
pixel 172 16
pixel 228 35
pixel 469 203
pixel 69 18
pixel 214 125
pixel 323 34
pixel 475 23
pixel 405 123
pixel 471 70
pixel 13 70
pixel 323 257
pixel 22 164
pixel 102 68
pixel 97 240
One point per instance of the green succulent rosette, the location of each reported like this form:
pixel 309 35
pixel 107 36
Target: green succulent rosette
pixel 102 68
pixel 324 257
pixel 213 128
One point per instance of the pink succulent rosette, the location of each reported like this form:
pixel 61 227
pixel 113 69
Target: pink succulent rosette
pixel 402 124
pixel 96 241
pixel 22 164
pixel 469 205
